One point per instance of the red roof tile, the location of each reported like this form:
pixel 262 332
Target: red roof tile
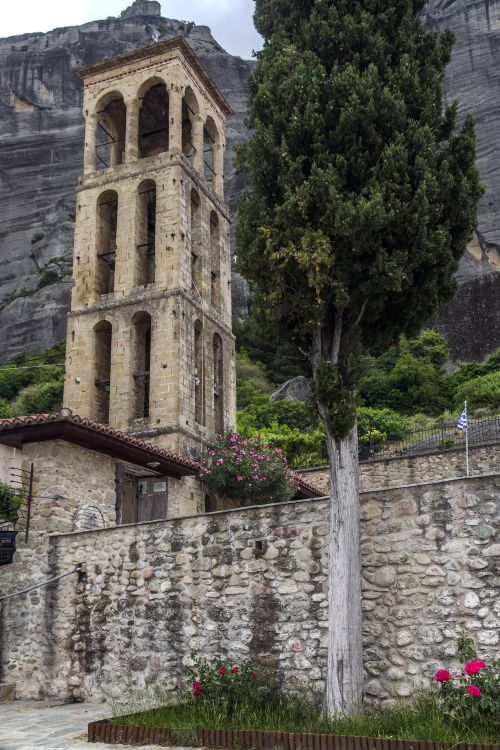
pixel 66 416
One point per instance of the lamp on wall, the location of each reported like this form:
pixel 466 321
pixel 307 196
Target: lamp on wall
pixel 153 464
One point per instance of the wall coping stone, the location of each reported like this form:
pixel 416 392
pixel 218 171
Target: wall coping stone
pixel 294 503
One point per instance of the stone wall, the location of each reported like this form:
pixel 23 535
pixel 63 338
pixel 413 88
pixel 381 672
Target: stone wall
pixel 401 470
pixel 252 583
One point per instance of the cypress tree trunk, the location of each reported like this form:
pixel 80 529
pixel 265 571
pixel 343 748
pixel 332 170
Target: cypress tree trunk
pixel 344 687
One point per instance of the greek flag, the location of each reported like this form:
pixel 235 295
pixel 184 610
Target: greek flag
pixel 463 422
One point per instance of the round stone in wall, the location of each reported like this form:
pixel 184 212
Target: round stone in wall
pixel 88 518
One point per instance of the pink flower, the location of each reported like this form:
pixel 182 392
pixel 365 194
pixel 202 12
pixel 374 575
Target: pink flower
pixel 235 670
pixel 220 461
pixel 239 478
pixel 473 667
pixel 222 670
pixel 473 691
pixel 233 438
pixel 442 675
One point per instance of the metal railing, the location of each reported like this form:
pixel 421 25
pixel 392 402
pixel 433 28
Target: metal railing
pixel 15 513
pixel 445 436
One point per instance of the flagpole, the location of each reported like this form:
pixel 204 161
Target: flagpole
pixel 467 441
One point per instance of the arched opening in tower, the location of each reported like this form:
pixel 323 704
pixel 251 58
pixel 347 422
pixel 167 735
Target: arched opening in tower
pixel 107 223
pixel 190 110
pixel 218 386
pixel 210 141
pixel 196 255
pixel 146 234
pixel 111 128
pixel 141 363
pixel 199 374
pixel 102 371
pixel 153 119
pixel 215 261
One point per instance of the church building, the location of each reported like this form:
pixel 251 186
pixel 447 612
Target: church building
pixel 150 357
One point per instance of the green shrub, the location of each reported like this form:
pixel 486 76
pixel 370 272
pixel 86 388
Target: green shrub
pixel 479 392
pixel 39 398
pixel 48 277
pixel 37 237
pixel 10 502
pixel 377 426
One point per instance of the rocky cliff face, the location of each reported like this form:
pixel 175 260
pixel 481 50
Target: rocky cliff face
pixel 41 151
pixel 41 140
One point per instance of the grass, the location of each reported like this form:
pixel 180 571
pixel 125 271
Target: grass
pixel 420 719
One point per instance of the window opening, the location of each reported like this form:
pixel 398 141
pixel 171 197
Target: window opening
pixel 107 224
pixel 154 121
pixel 218 386
pixel 142 364
pixel 199 374
pixel 215 261
pixel 146 234
pixel 102 371
pixel 111 127
pixel 196 266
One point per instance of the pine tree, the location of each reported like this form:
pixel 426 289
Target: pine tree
pixel 362 197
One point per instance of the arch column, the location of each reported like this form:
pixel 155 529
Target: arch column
pixel 89 158
pixel 218 167
pixel 198 143
pixel 175 114
pixel 132 131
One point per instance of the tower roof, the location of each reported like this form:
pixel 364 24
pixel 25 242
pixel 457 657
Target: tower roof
pixel 155 50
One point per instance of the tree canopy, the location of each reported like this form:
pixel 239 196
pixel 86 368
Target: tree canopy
pixel 362 194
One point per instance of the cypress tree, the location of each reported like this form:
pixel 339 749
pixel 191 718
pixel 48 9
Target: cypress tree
pixel 361 199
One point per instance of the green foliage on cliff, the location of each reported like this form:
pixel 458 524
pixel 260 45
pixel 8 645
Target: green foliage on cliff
pixel 403 390
pixel 32 383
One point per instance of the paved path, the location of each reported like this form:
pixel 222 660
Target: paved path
pixel 35 725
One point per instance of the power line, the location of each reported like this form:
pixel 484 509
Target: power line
pixel 30 367
pixel 274 354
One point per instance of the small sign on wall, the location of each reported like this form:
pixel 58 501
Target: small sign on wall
pixel 159 487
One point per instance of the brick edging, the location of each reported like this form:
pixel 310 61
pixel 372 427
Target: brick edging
pixel 106 731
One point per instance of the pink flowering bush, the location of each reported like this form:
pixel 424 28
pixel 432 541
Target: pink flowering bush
pixel 473 692
pixel 218 680
pixel 247 469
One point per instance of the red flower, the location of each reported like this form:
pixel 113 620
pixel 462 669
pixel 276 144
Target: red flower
pixel 442 675
pixel 235 670
pixel 222 670
pixel 253 676
pixel 473 691
pixel 196 689
pixel 473 667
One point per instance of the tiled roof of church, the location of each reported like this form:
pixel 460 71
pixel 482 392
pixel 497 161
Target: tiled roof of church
pixel 65 416
pixel 22 426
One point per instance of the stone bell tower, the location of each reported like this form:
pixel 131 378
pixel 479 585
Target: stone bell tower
pixel 150 349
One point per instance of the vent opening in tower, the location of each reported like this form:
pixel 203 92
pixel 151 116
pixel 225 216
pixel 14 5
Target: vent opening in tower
pixel 153 119
pixel 107 223
pixel 146 234
pixel 111 128
pixel 141 362
pixel 102 371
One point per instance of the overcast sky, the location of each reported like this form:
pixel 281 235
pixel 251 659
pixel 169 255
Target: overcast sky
pixel 230 20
